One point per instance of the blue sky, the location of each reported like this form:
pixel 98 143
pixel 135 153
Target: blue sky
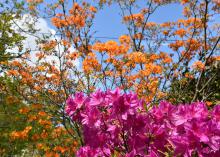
pixel 108 22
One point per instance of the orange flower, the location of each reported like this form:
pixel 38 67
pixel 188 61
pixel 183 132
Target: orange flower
pixel 136 17
pixel 51 154
pixel 154 57
pixel 13 72
pixel 60 149
pixel 208 103
pixel 44 122
pixel 24 110
pixel 188 75
pixel 150 24
pixel 44 134
pixel 137 57
pixel 56 22
pixel 40 55
pixel 166 24
pixel 184 1
pixel 138 36
pixel 16 64
pixel 161 95
pixel 217 58
pixel 92 9
pixel 124 39
pixel 180 32
pixel 42 113
pixel 199 65
pixel 35 137
pixel 176 45
pixel 20 134
pixel 166 32
pixel 31 118
pixel 40 146
pixel 91 63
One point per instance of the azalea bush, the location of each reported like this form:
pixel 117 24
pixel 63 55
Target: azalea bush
pixel 120 124
pixel 174 59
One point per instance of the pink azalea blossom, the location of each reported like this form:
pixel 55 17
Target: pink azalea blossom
pixel 115 122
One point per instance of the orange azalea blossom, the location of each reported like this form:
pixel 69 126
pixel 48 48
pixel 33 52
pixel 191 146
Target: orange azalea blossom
pixel 184 1
pixel 56 22
pixel 217 58
pixel 166 24
pixel 49 45
pixel 35 137
pixel 60 149
pixel 44 134
pixel 24 110
pixel 44 122
pixel 138 36
pixel 188 75
pixel 40 146
pixel 72 55
pixel 156 69
pixel 199 65
pixel 176 45
pixel 51 154
pixel 194 44
pixel 145 72
pixel 136 17
pixel 21 134
pixel 186 11
pixel 166 32
pixel 167 59
pixel 125 39
pixel 137 57
pixel 91 63
pixel 13 72
pixel 161 95
pixel 57 132
pixel 111 47
pixel 32 118
pixel 16 64
pixel 217 2
pixel 208 103
pixel 40 55
pixel 150 24
pixel 154 57
pixel 92 9
pixel 187 55
pixel 180 32
pixel 42 113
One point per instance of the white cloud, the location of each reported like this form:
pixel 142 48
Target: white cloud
pixel 30 43
pixel 21 26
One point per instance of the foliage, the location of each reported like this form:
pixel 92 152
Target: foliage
pixel 183 90
pixel 10 103
pixel 27 129
pixel 10 11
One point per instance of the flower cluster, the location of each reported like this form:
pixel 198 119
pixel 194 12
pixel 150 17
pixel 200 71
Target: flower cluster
pixel 120 124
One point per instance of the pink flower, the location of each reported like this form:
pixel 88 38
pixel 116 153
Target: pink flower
pixel 115 122
pixel 74 104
